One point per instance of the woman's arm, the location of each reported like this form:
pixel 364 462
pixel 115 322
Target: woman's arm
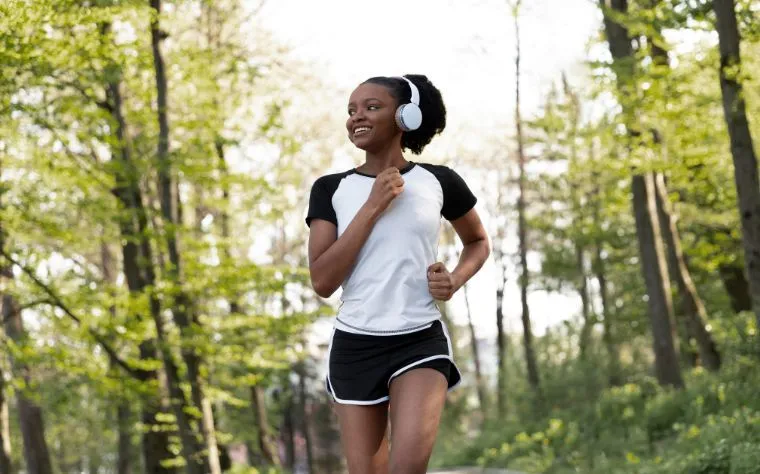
pixel 330 257
pixel 442 283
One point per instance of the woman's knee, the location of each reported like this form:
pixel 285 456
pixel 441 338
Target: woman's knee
pixel 408 462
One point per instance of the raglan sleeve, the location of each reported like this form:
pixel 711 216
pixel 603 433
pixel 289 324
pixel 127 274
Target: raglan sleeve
pixel 458 199
pixel 320 202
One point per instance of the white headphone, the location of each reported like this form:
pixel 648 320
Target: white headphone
pixel 409 116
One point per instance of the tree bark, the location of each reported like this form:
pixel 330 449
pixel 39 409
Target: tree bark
pixel 599 268
pixel 36 451
pixel 192 450
pixel 479 382
pixel 742 150
pixel 530 356
pixel 123 410
pixel 266 445
pixel 305 418
pixel 651 253
pixel 501 347
pixel 608 336
pixel 692 308
pixel 288 428
pixel 583 292
pixel 6 467
pixel 124 454
pixel 736 285
pixel 137 264
pixel 214 466
pixel 654 269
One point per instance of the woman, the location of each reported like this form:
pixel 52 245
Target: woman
pixel 374 230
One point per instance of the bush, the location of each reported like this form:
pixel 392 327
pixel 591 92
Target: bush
pixel 716 460
pixel 745 459
pixel 663 412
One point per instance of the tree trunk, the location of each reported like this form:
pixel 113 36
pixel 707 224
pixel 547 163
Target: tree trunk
pixel 608 337
pixel 6 467
pixel 530 356
pixel 501 347
pixel 124 454
pixel 583 292
pixel 36 451
pixel 214 466
pixel 651 253
pixel 654 269
pixel 266 446
pixel 599 268
pixel 479 382
pixel 692 308
pixel 192 450
pixel 288 429
pixel 123 410
pixel 139 276
pixel 737 287
pixel 742 150
pixel 305 418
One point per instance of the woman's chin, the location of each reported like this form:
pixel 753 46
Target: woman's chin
pixel 361 144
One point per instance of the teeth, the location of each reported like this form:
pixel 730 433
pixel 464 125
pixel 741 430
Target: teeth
pixel 361 129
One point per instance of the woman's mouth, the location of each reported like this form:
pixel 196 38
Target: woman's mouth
pixel 361 131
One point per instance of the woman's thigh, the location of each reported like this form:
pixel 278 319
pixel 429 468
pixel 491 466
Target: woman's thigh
pixel 363 437
pixel 416 402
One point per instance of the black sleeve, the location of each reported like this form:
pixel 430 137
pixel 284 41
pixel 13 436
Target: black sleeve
pixel 320 201
pixel 457 197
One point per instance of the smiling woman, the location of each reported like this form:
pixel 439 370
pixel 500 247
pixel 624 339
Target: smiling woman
pixel 374 230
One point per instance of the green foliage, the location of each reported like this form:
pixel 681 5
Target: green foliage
pixel 745 458
pixel 710 427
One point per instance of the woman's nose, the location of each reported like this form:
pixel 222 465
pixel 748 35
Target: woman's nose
pixel 358 115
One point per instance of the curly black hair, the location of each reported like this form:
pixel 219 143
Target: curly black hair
pixel 431 104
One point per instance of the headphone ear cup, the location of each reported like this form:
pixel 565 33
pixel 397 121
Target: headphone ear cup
pixel 400 118
pixel 408 117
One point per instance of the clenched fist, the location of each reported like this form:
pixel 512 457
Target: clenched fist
pixel 441 283
pixel 388 185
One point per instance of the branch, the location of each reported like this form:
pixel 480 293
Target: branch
pixel 32 304
pixel 56 301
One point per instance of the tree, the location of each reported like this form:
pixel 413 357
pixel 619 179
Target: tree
pixel 691 306
pixel 652 259
pixel 479 382
pixel 6 466
pixel 36 451
pixel 530 355
pixel 742 149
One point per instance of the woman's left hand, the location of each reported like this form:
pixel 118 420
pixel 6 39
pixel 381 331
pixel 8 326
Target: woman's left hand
pixel 441 283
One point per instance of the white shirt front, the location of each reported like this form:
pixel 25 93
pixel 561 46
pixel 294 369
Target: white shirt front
pixel 386 291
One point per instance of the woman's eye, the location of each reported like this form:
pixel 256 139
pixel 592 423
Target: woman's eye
pixel 373 107
pixel 351 112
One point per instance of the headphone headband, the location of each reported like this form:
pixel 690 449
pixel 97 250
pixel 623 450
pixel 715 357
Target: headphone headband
pixel 415 92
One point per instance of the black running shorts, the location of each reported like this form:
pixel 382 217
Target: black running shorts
pixel 360 367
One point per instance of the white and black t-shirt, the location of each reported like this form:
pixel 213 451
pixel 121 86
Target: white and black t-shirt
pixel 386 292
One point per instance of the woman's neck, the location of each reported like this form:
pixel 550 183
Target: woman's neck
pixel 376 162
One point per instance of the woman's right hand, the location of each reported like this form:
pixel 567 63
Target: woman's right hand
pixel 388 185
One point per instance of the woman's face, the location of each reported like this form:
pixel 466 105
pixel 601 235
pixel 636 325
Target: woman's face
pixel 371 120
